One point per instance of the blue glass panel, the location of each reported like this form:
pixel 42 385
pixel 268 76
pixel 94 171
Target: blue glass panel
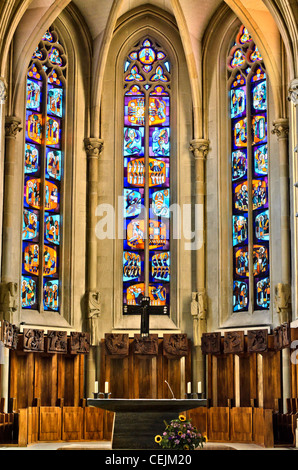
pixel 259 128
pixel 52 228
pixel 262 289
pixel 259 94
pixel 238 102
pixel 159 142
pixel 241 262
pixel 51 294
pixel 160 266
pixel 34 95
pixel 29 292
pixel 262 226
pixel 261 160
pixel 55 101
pixel 239 165
pixel 53 166
pixel 133 266
pixel 259 193
pixel 32 162
pixel 240 296
pixel 30 225
pixel 133 202
pixel 133 141
pixel 240 227
pixel 160 206
pixel 159 111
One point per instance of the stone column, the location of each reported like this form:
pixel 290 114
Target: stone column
pixel 200 149
pixel 282 290
pixel 93 147
pixel 10 253
pixel 281 130
pixel 3 96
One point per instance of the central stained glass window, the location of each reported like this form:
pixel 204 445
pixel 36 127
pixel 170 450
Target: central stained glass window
pixel 146 189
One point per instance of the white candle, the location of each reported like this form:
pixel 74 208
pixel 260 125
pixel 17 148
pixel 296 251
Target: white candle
pixel 96 387
pixel 188 387
pixel 199 387
pixel 106 387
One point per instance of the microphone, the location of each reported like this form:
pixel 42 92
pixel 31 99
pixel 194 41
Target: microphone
pixel 170 390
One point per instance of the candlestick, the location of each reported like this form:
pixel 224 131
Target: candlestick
pixel 188 387
pixel 199 387
pixel 106 387
pixel 96 387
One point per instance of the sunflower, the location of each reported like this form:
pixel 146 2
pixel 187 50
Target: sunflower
pixel 186 447
pixel 205 437
pixel 182 418
pixel 158 439
pixel 179 433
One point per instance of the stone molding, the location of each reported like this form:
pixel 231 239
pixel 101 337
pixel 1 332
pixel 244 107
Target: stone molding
pixel 281 128
pixel 93 146
pixel 3 91
pixel 199 148
pixel 293 92
pixel 12 126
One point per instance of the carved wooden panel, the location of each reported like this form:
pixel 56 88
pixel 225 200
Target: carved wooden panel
pixel 116 344
pixel 286 335
pixel 33 340
pixel 175 345
pixel 9 335
pixel 277 338
pixel 146 345
pixel 234 342
pixel 56 342
pixel 211 343
pixel 257 341
pixel 241 424
pixel 79 343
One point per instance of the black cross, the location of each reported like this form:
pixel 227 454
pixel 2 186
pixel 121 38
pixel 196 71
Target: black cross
pixel 145 302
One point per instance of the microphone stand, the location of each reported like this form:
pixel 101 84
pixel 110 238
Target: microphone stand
pixel 173 397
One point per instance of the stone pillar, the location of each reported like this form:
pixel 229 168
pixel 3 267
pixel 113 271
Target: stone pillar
pixel 93 147
pixel 282 290
pixel 3 96
pixel 200 149
pixel 281 130
pixel 10 255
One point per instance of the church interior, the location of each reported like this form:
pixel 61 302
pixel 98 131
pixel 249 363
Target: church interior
pixel 148 219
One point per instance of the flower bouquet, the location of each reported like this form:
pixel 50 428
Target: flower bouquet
pixel 180 434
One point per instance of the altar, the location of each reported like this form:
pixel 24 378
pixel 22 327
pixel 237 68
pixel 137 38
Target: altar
pixel 138 421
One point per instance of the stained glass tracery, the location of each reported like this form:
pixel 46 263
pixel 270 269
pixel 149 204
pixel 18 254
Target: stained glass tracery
pixel 43 175
pixel 146 193
pixel 249 175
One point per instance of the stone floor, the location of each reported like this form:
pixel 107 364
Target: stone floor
pixel 106 445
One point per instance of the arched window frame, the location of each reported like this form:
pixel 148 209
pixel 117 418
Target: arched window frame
pixel 147 84
pixel 249 68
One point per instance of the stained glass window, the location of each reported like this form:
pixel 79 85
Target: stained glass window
pixel 146 189
pixel 43 175
pixel 249 175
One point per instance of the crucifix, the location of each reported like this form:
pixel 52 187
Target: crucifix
pixel 145 303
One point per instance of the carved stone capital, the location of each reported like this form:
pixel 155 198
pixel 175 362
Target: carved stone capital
pixel 281 128
pixel 93 313
pixel 293 91
pixel 199 314
pixel 93 146
pixel 8 299
pixel 3 91
pixel 199 148
pixel 12 126
pixel 282 301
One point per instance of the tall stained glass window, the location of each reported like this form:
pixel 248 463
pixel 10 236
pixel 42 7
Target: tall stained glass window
pixel 43 176
pixel 146 188
pixel 249 175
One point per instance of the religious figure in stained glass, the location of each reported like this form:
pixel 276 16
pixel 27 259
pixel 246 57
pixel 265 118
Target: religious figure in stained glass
pixel 146 153
pixel 248 99
pixel 43 169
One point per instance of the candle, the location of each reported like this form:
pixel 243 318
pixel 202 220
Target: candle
pixel 199 387
pixel 106 387
pixel 96 387
pixel 188 387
